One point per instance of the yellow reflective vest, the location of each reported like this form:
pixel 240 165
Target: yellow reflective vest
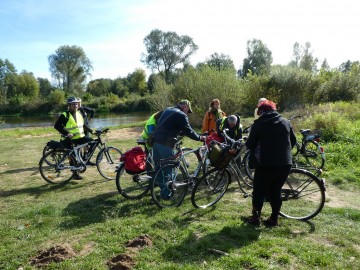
pixel 73 127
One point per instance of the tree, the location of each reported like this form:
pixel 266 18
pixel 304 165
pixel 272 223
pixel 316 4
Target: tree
pixel 7 69
pixel 69 66
pixel 137 82
pixel 259 58
pixel 28 85
pixel 303 57
pixel 165 50
pixel 219 62
pixel 45 87
pixel 99 87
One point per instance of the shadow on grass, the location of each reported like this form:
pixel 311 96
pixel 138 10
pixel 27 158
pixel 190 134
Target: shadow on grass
pixel 29 169
pixel 99 208
pixel 197 247
pixel 47 187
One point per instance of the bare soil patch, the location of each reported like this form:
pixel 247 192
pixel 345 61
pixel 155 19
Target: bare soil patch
pixel 53 254
pixel 126 261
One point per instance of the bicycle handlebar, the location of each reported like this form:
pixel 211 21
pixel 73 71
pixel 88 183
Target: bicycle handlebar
pixel 234 144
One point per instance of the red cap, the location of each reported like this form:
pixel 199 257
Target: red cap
pixel 266 105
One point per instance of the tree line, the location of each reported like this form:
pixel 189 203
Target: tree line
pixel 299 83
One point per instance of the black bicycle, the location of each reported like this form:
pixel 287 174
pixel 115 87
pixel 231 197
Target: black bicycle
pixel 59 165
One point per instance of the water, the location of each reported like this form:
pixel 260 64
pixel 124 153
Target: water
pixel 100 120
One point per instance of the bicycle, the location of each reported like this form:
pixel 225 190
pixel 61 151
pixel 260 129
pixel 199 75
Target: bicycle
pixel 303 193
pixel 307 155
pixel 60 164
pixel 212 186
pixel 136 186
pixel 177 174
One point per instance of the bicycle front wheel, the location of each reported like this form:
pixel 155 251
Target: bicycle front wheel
pixel 249 172
pixel 132 186
pixel 54 167
pixel 107 161
pixel 169 186
pixel 210 188
pixel 303 195
pixel 314 154
pixel 192 161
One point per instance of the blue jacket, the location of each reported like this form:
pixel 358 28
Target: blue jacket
pixel 173 123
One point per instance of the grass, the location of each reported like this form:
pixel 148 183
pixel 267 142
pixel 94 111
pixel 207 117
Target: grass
pixel 96 222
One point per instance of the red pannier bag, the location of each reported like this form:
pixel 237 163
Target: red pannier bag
pixel 135 160
pixel 213 137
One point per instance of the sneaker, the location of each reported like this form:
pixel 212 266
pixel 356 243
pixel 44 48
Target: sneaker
pixel 253 220
pixel 271 222
pixel 78 177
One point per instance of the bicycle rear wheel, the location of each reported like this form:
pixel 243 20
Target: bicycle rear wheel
pixel 54 167
pixel 132 186
pixel 169 186
pixel 107 161
pixel 210 188
pixel 303 195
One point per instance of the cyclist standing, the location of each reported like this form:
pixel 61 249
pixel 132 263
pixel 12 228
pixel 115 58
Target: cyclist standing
pixel 71 124
pixel 270 142
pixel 172 123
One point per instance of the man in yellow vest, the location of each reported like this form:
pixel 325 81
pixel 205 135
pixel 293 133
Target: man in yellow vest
pixel 149 128
pixel 71 125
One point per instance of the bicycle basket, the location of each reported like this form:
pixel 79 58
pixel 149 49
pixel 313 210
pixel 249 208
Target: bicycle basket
pixel 219 155
pixel 58 145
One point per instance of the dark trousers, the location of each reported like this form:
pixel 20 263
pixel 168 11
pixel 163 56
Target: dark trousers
pixel 268 183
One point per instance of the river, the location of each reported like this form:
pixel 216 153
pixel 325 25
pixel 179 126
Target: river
pixel 100 120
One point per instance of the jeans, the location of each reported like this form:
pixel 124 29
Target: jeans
pixel 161 151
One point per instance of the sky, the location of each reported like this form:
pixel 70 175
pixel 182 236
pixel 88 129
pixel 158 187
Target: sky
pixel 111 32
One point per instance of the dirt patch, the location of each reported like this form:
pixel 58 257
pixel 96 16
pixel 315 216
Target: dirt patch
pixel 54 254
pixel 121 262
pixel 126 261
pixel 338 198
pixel 139 242
pixel 125 133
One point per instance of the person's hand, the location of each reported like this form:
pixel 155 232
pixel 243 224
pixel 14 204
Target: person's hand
pixel 202 138
pixel 69 135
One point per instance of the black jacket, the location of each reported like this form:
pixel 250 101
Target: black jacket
pixel 172 123
pixel 272 138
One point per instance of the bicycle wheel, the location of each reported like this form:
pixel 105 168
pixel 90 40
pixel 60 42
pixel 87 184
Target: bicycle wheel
pixel 169 186
pixel 314 154
pixel 210 188
pixel 249 172
pixel 303 195
pixel 132 186
pixel 107 161
pixel 192 161
pixel 54 167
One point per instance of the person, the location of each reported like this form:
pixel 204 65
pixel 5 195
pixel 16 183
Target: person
pixel 214 113
pixel 232 122
pixel 149 128
pixel 71 124
pixel 270 142
pixel 87 113
pixel 256 116
pixel 172 123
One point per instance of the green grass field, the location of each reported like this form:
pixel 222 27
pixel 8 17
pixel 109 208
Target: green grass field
pixel 90 224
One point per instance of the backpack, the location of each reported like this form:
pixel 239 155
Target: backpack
pixel 219 155
pixel 135 160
